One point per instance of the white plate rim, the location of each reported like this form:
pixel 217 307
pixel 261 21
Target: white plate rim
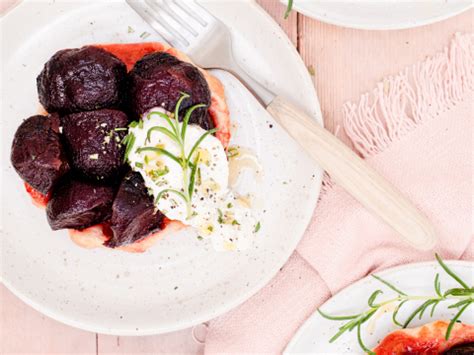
pixel 278 32
pixel 368 26
pixel 451 262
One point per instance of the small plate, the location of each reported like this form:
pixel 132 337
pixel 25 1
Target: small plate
pixel 181 281
pixel 416 279
pixel 380 15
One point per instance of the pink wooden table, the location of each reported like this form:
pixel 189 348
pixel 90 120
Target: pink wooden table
pixel 344 64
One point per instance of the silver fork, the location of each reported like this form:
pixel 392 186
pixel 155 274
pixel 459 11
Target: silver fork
pixel 208 42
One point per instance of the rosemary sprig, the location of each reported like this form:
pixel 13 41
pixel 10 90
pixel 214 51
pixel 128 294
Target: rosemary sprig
pixel 463 297
pixel 177 133
pixel 288 8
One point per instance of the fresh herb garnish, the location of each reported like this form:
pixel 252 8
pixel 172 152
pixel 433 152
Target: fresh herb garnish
pixel 133 124
pixel 232 152
pixel 129 141
pixel 157 173
pixel 288 8
pixel 462 296
pixel 257 227
pixel 177 132
pixel 220 216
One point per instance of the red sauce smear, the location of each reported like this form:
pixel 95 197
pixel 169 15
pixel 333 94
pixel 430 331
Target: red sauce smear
pixel 428 339
pixel 132 52
pixel 38 198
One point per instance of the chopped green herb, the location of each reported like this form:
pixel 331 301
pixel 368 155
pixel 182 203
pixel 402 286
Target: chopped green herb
pixel 199 237
pixel 118 129
pixel 144 35
pixel 210 228
pixel 157 173
pixel 139 165
pixel 133 124
pixel 199 179
pixel 130 29
pixel 235 222
pixel 220 217
pixel 257 227
pixel 232 152
pixel 140 124
pixel 229 205
pixel 192 178
pixel 129 141
pixel 146 159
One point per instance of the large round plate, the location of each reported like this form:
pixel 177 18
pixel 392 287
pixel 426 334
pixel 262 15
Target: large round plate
pixel 180 281
pixel 414 279
pixel 380 15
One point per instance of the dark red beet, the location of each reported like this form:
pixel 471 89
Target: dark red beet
pixel 462 349
pixel 159 79
pixel 78 204
pixel 81 79
pixel 93 143
pixel 37 153
pixel 133 213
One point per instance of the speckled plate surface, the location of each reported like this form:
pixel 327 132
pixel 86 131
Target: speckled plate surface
pixel 413 279
pixel 181 281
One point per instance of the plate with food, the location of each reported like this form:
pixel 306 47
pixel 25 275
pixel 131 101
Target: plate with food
pixel 379 15
pixel 142 194
pixel 422 308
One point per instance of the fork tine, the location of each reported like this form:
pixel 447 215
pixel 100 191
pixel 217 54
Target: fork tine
pixel 178 39
pixel 193 15
pixel 141 9
pixel 168 9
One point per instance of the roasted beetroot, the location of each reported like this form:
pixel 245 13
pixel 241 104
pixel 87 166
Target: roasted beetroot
pixel 37 153
pixel 461 349
pixel 79 204
pixel 92 141
pixel 81 79
pixel 159 79
pixel 134 216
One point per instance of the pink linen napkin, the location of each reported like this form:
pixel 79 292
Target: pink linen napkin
pixel 415 129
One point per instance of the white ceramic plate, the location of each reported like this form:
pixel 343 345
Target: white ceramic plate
pixel 380 15
pixel 415 279
pixel 180 281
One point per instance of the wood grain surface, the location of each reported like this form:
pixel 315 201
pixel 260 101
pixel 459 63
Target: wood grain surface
pixel 343 63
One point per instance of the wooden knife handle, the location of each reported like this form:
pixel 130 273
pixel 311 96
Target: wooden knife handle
pixel 354 175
